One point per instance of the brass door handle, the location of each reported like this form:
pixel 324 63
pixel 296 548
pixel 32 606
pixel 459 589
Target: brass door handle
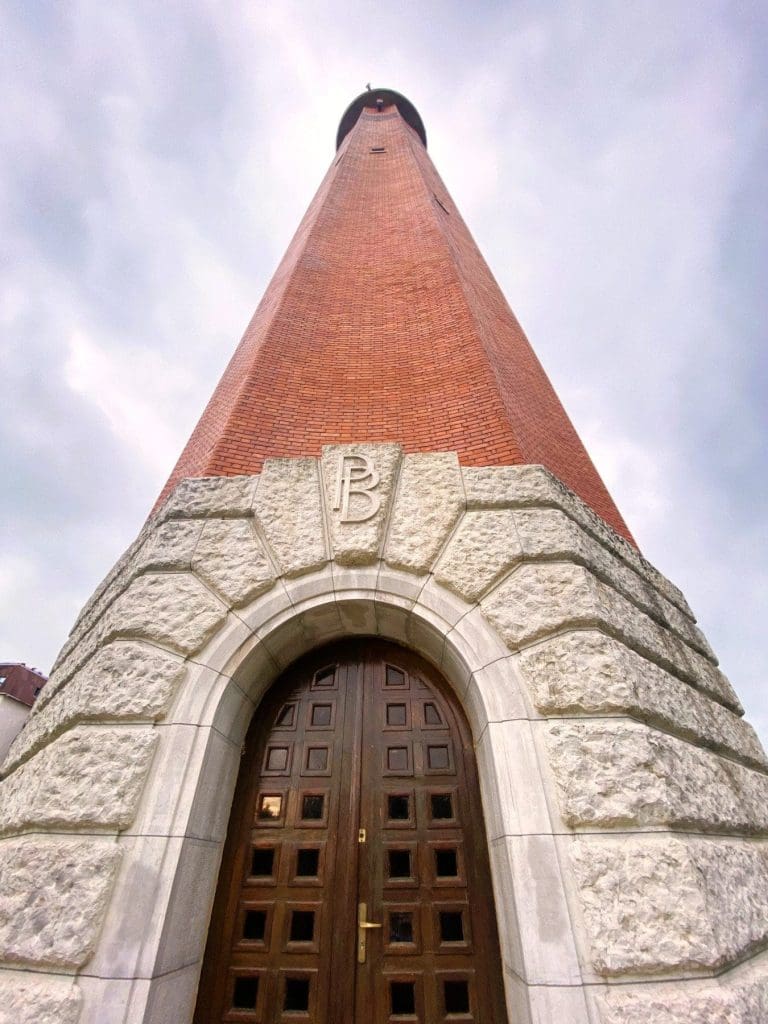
pixel 363 926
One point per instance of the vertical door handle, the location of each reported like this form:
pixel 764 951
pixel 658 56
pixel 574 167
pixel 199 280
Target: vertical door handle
pixel 363 927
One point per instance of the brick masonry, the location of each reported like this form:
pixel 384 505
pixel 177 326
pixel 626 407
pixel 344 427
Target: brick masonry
pixel 384 323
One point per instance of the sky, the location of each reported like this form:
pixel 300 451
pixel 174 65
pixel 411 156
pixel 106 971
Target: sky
pixel 611 160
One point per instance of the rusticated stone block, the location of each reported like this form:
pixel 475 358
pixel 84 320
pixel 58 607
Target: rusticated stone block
pixel 551 534
pixel 656 904
pixel 511 486
pixel 231 558
pixel 612 773
pixel 172 608
pixel 484 546
pixel 89 777
pixel 72 656
pixel 124 680
pixel 429 500
pixel 53 894
pixel 27 999
pixel 200 497
pixel 588 672
pixel 539 599
pixel 288 506
pixel 740 998
pixel 535 486
pixel 171 545
pixel 359 542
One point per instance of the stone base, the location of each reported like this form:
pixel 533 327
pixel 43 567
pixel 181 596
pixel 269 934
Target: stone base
pixel 624 796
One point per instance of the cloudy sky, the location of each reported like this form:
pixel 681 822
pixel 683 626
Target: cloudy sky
pixel 611 159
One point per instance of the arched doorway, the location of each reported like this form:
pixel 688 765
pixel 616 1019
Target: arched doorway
pixel 355 882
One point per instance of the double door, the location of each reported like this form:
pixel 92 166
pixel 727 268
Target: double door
pixel 355 883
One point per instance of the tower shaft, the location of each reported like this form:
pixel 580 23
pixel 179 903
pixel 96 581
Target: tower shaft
pixel 384 323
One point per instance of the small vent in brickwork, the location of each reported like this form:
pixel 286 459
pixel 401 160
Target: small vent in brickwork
pixel 378 149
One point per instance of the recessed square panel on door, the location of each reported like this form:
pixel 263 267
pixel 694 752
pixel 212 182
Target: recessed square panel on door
pixel 312 808
pixel 400 864
pixel 277 759
pixel 451 927
pixel 398 758
pixel 402 928
pixel 438 758
pixel 400 997
pixel 399 808
pixel 302 927
pixel 455 996
pixel 322 716
pixel 307 864
pixel 271 807
pixel 254 924
pixel 246 995
pixel 316 759
pixel 325 679
pixel 396 715
pixel 297 995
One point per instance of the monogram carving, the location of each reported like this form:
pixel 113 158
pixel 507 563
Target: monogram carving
pixel 356 476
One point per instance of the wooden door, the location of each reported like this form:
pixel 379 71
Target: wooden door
pixel 355 884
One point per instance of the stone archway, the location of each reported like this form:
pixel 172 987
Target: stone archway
pixel 582 674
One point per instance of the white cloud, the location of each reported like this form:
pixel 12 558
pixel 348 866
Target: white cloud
pixel 158 162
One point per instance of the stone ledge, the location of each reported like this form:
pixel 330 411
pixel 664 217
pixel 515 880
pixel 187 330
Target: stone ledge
pixel 490 542
pixel 206 497
pixel 587 672
pixel 534 486
pixel 614 773
pixel 740 997
pixel 540 599
pixel 659 905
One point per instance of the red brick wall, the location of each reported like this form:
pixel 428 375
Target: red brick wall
pixel 383 323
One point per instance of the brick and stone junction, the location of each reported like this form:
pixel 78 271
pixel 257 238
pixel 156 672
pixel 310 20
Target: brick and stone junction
pixel 625 797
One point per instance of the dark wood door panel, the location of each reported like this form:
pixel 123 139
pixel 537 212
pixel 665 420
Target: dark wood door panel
pixel 357 789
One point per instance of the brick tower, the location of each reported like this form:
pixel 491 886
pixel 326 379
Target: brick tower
pixel 383 716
